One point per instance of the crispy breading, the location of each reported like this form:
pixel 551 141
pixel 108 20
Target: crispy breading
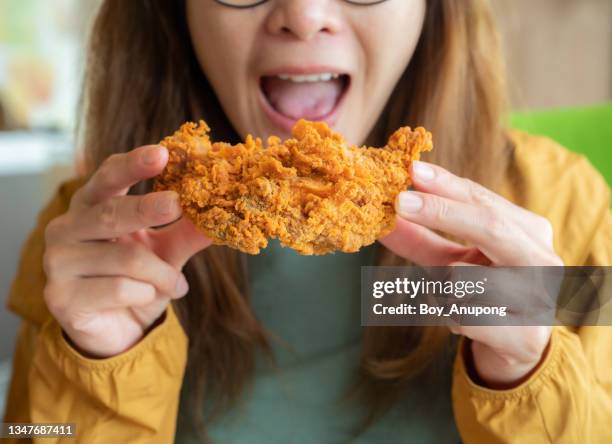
pixel 313 192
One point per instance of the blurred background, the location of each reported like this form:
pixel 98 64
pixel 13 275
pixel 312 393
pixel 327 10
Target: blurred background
pixel 559 55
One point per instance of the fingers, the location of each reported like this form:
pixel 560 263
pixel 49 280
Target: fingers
pixel 494 234
pixel 98 259
pixel 72 301
pixel 497 236
pixel 177 243
pixel 472 258
pixel 422 246
pixel 81 305
pixel 432 179
pixel 121 171
pixel 103 293
pixel 120 215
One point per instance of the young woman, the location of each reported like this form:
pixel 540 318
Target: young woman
pixel 120 319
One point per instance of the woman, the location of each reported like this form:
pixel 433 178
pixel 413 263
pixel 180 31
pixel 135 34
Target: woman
pixel 118 317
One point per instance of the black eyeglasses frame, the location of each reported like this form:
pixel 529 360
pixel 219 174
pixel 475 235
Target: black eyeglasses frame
pixel 259 2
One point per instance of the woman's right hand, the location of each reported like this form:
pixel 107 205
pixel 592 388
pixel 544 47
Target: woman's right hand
pixel 109 276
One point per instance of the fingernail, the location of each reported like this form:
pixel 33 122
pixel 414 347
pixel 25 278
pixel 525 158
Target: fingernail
pixel 182 287
pixel 166 204
pixel 422 171
pixel 150 156
pixel 409 202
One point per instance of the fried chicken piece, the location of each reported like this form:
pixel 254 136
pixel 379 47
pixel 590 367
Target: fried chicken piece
pixel 313 192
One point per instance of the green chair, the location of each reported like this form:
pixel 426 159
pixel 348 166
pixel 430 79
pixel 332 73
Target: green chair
pixel 584 130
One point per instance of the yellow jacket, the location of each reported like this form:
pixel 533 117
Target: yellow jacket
pixel 567 400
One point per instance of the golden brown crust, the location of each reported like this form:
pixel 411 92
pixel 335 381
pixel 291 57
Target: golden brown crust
pixel 313 192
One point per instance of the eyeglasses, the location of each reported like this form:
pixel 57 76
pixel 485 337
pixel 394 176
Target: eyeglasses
pixel 252 3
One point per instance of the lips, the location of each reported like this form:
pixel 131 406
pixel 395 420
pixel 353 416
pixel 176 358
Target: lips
pixel 289 97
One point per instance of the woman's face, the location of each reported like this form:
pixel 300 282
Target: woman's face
pixel 315 59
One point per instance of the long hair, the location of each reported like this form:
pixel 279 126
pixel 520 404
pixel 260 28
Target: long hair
pixel 143 80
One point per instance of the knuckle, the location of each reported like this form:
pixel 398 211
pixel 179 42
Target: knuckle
pixel 165 280
pixel 149 294
pixel 121 289
pixel 78 195
pixel 52 297
pixel 107 170
pixel 53 228
pixel 104 172
pixel 133 259
pixel 142 208
pixel 124 292
pixel 48 293
pixel 107 216
pixel 478 194
pixel 436 208
pixel 49 260
pixel 77 324
pixel 496 227
pixel 172 280
pixel 112 160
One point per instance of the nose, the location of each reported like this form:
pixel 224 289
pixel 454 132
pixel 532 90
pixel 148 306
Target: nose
pixel 304 19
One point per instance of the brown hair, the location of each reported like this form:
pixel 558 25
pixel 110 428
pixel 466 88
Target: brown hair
pixel 143 81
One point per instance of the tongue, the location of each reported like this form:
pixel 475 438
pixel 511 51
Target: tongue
pixel 308 100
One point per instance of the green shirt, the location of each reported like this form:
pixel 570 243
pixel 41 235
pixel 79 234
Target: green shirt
pixel 313 304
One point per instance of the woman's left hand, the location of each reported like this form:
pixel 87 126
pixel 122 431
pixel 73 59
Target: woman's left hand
pixel 498 233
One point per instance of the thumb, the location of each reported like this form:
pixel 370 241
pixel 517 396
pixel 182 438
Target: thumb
pixel 178 242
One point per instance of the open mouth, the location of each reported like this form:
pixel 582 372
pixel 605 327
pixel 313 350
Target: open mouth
pixel 289 97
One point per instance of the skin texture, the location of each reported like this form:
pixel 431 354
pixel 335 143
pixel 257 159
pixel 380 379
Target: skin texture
pixel 313 192
pixel 371 43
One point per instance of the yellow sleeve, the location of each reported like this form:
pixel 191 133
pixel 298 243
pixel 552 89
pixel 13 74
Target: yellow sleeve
pixel 567 400
pixel 601 252
pixel 569 397
pixel 132 397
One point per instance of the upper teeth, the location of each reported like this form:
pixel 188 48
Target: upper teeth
pixel 322 77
